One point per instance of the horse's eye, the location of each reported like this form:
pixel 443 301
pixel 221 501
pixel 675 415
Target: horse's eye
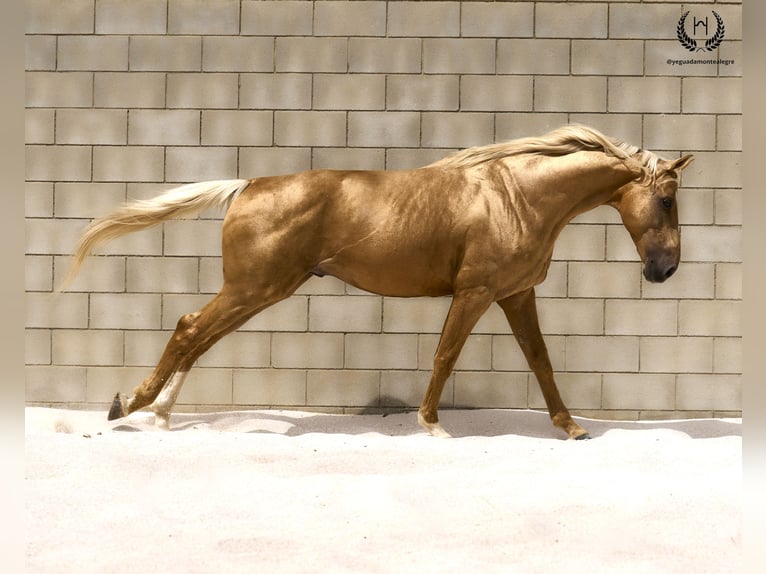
pixel 667 203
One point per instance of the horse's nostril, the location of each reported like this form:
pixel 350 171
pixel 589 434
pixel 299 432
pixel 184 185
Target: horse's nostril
pixel 670 271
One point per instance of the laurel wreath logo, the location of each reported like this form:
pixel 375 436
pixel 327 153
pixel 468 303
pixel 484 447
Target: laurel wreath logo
pixel 691 44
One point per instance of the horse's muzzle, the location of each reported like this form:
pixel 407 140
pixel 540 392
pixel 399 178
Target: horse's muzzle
pixel 657 270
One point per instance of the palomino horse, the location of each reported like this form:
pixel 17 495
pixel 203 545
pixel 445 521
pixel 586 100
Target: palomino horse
pixel 479 225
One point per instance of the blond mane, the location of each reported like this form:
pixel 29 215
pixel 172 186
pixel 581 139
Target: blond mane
pixel 562 141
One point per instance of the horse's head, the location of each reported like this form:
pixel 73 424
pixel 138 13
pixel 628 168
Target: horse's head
pixel 650 214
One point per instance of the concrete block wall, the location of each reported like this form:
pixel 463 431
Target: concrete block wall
pixel 127 99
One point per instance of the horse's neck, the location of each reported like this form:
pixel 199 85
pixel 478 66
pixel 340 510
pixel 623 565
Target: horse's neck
pixel 559 188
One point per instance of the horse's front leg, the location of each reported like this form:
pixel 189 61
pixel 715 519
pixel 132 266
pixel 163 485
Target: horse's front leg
pixel 521 312
pixel 466 309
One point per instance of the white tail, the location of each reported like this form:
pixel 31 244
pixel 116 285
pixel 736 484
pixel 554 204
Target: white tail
pixel 142 214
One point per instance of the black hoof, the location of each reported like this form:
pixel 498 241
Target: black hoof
pixel 585 436
pixel 117 411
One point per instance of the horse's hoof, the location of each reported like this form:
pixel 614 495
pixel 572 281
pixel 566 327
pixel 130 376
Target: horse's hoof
pixel 585 436
pixel 119 407
pixel 434 429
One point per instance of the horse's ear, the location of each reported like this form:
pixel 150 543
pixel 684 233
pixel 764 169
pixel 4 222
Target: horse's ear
pixel 681 163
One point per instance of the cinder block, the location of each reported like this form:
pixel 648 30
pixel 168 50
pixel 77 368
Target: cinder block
pixel 607 279
pixel 458 56
pixel 457 129
pixel 58 89
pixel 580 242
pixel 288 315
pixel 103 382
pixel 58 163
pixel 709 392
pixel 608 57
pixel 345 314
pixel 728 281
pixel 712 95
pixel 571 316
pixel 492 322
pixel 730 133
pixel 491 390
pixel 308 54
pixel 350 19
pixel 557 20
pixel 128 163
pixel 418 315
pixel 124 311
pixel 237 127
pixel 476 354
pixel 269 387
pixel 727 357
pixel 578 391
pixel 602 354
pixel 510 126
pixel 417 92
pixel 496 93
pixel 639 391
pixel 54 384
pixel 97 275
pixel 696 207
pixel 38 199
pixel 260 162
pixel 423 19
pixel 635 21
pixel 728 207
pixel 710 318
pixel 162 275
pixel 345 158
pixel 645 94
pixel 134 17
pixel 555 283
pixel 534 56
pixel 714 169
pixel 147 242
pixel 52 236
pixel 715 244
pixel 203 91
pixel 385 55
pixel 682 132
pixel 237 54
pixel 497 19
pixel 404 158
pixel 275 91
pixel 641 317
pixel 46 17
pixel 327 285
pixel 129 90
pixel 663 57
pixel 349 92
pixel 38 273
pixel 92 53
pixel 277 18
pixel 91 127
pixel 92 347
pixel 144 348
pixel 731 52
pixel 193 237
pixel 174 306
pixel 166 53
pixel 39 126
pixel 377 351
pixel 239 350
pixel 37 347
pixel 507 356
pixel 63 311
pixel 407 388
pixel 203 16
pixel 344 388
pixel 383 129
pixel 676 355
pixel 573 93
pixel 39 53
pixel 307 350
pixel 164 127
pixel 207 387
pixel 301 128
pixel 185 164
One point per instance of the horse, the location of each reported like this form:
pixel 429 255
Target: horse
pixel 478 225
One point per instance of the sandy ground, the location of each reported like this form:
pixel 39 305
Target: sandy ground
pixel 288 492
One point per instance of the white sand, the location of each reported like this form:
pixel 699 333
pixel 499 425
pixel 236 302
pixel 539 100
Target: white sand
pixel 287 492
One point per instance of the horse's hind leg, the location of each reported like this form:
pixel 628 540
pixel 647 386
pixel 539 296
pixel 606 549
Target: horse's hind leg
pixel 194 334
pixel 521 312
